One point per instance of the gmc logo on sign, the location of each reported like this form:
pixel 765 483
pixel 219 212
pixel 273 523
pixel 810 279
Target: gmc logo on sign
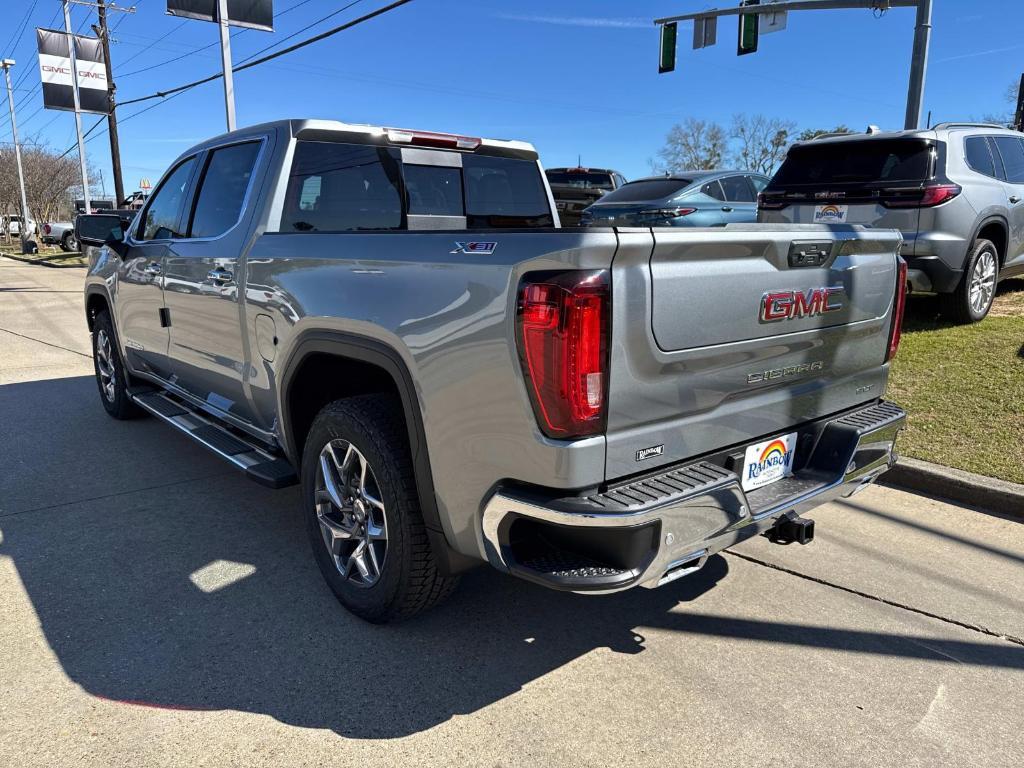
pixel 786 305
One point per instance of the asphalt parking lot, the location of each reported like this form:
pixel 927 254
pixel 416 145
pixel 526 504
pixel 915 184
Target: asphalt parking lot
pixel 156 608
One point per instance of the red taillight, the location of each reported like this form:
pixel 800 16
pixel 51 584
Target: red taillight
pixel 562 321
pixel 932 195
pixel 898 308
pixel 432 139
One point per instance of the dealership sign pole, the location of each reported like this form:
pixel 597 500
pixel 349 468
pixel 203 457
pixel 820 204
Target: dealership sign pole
pixel 23 229
pixel 225 58
pixel 78 104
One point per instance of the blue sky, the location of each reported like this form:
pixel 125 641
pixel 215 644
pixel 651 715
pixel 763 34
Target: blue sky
pixel 575 77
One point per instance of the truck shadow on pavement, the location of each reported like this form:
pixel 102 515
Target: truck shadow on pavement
pixel 160 579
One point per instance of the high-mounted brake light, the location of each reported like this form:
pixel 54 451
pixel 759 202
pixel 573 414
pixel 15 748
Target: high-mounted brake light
pixel 898 308
pixel 562 322
pixel 431 139
pixel 930 196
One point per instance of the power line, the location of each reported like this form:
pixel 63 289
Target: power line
pixel 277 54
pixel 12 44
pixel 300 31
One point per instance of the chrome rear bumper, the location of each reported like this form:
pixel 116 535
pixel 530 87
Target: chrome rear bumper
pixel 686 513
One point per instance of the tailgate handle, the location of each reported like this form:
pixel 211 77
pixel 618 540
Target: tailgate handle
pixel 810 253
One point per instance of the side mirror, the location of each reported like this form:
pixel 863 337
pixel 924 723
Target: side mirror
pixel 99 229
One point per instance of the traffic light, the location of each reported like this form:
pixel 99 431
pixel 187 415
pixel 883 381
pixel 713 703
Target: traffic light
pixel 750 24
pixel 667 54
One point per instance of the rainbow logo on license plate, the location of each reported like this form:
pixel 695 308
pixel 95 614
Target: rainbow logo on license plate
pixel 767 462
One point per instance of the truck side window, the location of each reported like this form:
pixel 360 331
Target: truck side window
pixel 222 189
pixel 337 187
pixel 161 217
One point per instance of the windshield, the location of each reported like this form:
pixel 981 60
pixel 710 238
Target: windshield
pixel 652 189
pixel 846 162
pixel 582 179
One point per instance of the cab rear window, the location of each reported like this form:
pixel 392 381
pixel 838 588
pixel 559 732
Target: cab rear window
pixel 856 162
pixel 338 187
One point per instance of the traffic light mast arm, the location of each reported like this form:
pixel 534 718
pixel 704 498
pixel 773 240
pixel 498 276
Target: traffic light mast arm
pixel 792 5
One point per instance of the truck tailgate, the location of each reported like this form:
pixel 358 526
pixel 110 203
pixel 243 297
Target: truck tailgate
pixel 723 336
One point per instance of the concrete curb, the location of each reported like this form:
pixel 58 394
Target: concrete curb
pixel 41 262
pixel 988 493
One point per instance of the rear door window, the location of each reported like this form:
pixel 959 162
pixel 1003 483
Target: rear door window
pixel 856 162
pixel 738 189
pixel 713 189
pixel 979 156
pixel 650 189
pixel 222 189
pixel 337 187
pixel 1011 150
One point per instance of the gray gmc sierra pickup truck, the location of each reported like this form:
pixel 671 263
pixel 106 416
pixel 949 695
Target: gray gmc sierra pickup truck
pixel 395 320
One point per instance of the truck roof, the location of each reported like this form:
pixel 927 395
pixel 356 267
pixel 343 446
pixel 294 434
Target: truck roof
pixel 314 129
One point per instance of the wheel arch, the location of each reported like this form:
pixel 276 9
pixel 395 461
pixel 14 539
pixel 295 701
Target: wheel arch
pixel 96 300
pixel 995 229
pixel 387 371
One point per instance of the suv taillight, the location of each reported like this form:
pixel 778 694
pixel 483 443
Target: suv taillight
pixel 930 196
pixel 766 201
pixel 898 307
pixel 562 322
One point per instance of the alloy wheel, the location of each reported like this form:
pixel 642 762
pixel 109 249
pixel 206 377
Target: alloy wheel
pixel 105 365
pixel 983 282
pixel 350 511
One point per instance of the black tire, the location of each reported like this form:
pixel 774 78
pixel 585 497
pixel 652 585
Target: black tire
pixel 68 242
pixel 111 379
pixel 407 580
pixel 960 306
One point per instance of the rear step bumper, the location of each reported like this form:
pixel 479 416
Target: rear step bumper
pixel 651 531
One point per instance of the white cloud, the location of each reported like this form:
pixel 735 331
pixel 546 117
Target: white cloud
pixel 583 21
pixel 979 53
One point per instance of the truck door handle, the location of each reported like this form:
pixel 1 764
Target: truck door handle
pixel 153 268
pixel 219 275
pixel 727 208
pixel 1014 200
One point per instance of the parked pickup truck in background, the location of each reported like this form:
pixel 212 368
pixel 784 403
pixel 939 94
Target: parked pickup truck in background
pixel 391 318
pixel 577 188
pixel 60 233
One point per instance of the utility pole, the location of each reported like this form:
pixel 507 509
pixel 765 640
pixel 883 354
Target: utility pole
pixel 103 32
pixel 225 55
pixel 78 104
pixel 919 64
pixel 774 8
pixel 23 229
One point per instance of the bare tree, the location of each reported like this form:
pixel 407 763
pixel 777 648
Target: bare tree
pixel 760 142
pixel 693 145
pixel 812 133
pixel 49 178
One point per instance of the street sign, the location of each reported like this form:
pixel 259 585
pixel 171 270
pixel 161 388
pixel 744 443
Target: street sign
pixel 667 54
pixel 705 32
pixel 773 21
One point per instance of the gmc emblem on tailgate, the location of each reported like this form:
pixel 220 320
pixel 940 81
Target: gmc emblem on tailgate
pixel 787 305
